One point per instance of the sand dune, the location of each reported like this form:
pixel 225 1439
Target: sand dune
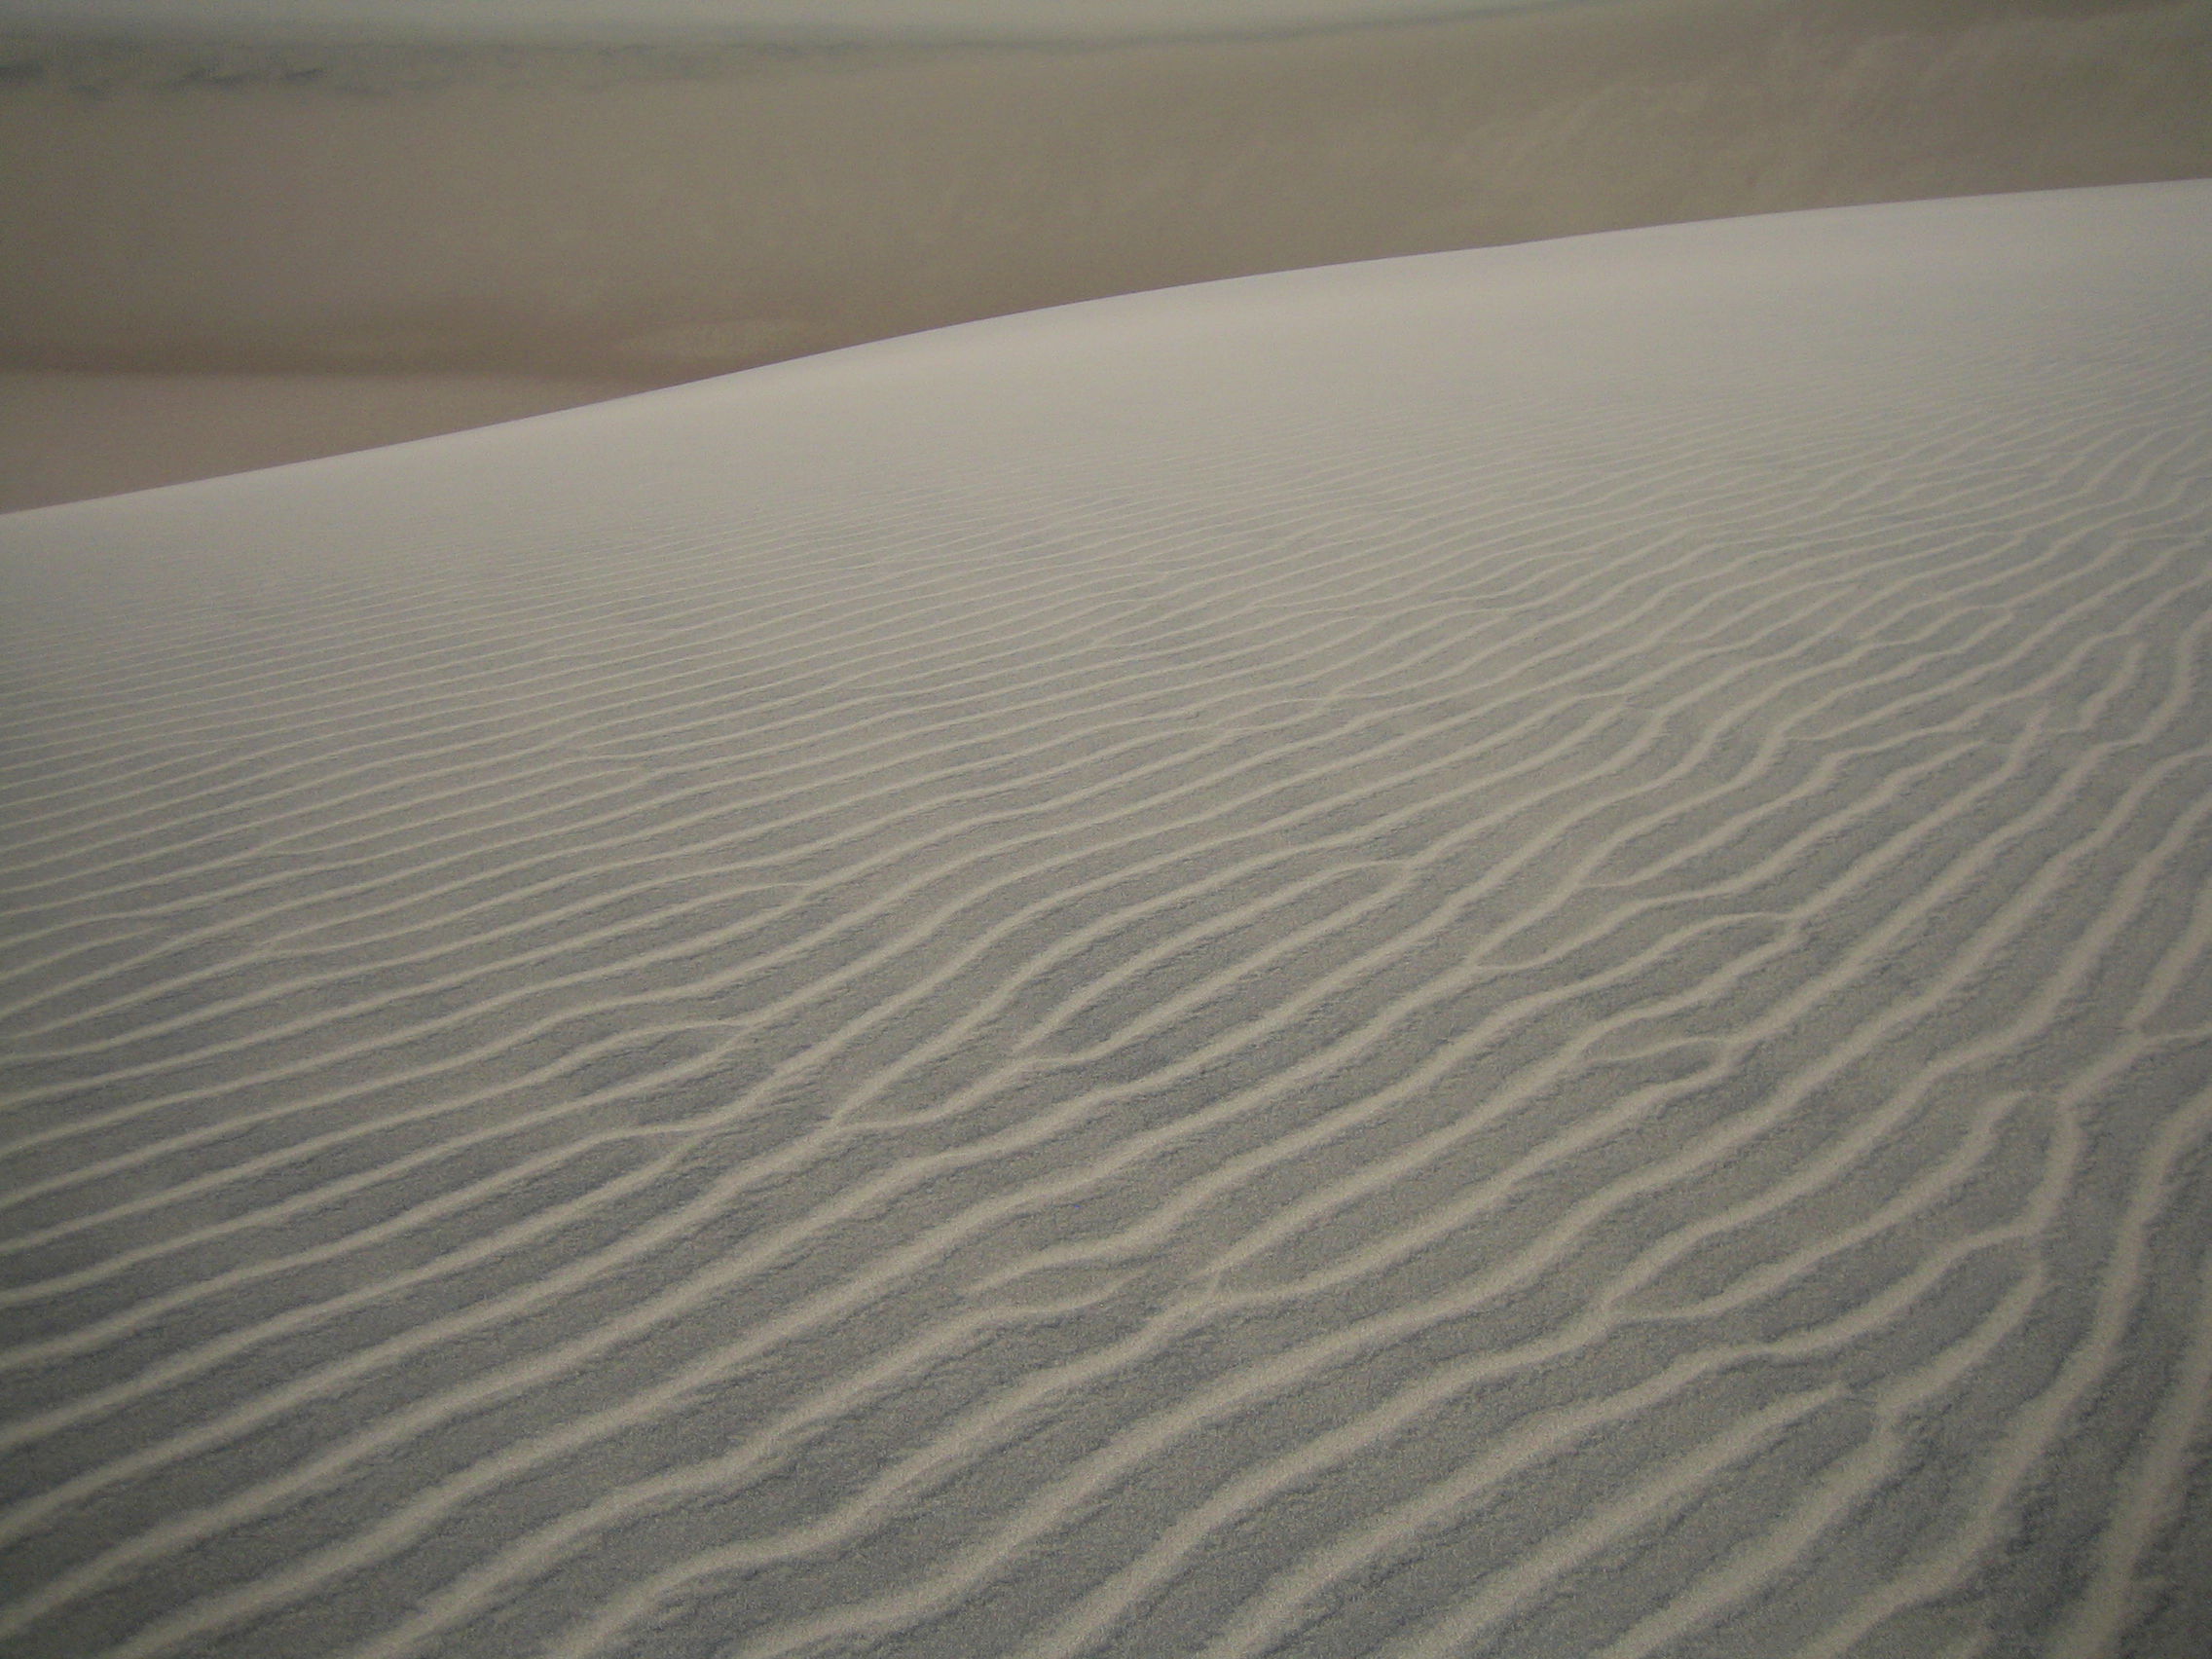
pixel 669 213
pixel 189 219
pixel 1500 954
pixel 69 437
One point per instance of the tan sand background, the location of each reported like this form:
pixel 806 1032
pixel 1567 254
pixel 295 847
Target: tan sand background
pixel 223 256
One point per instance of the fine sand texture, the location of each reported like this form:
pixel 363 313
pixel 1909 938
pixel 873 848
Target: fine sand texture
pixel 1503 953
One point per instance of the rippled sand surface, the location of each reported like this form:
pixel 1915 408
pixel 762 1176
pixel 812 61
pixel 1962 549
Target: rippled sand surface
pixel 1502 953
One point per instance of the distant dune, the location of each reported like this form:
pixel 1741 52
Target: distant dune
pixel 670 212
pixel 751 20
pixel 1497 954
pixel 649 214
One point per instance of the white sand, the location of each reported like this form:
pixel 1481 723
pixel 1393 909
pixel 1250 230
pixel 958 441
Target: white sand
pixel 653 216
pixel 1502 954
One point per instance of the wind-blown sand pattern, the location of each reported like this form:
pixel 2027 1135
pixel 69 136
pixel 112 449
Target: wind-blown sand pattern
pixel 1500 954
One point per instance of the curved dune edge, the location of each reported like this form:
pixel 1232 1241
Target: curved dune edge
pixel 74 437
pixel 1494 953
pixel 667 215
pixel 364 242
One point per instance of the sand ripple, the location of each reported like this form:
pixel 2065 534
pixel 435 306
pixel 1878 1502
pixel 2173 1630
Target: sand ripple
pixel 1495 954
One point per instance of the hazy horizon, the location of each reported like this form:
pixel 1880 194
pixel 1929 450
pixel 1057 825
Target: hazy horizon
pixel 735 20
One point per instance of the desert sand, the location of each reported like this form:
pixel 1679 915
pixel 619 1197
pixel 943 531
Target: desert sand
pixel 72 436
pixel 651 214
pixel 1502 953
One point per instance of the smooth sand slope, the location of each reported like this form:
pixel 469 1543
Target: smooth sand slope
pixel 69 437
pixel 654 214
pixel 1503 953
pixel 691 211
